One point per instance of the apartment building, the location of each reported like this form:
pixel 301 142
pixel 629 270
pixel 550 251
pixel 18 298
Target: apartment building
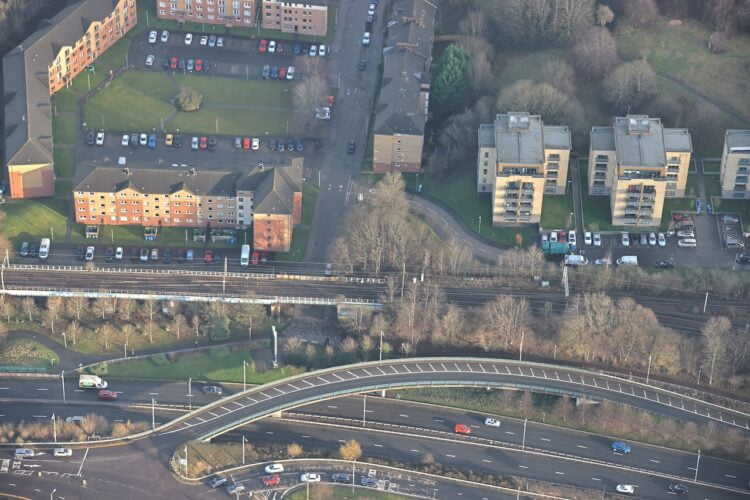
pixel 637 163
pixel 229 13
pixel 268 199
pixel 403 102
pixel 735 164
pixel 309 17
pixel 520 160
pixel 41 65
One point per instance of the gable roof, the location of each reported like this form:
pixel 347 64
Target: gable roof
pixel 159 182
pixel 406 58
pixel 28 113
pixel 273 188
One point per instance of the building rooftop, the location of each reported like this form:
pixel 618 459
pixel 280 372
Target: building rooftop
pixel 28 114
pixel 737 140
pixel 486 135
pixel 156 181
pixel 678 140
pixel 402 108
pixel 639 141
pixel 518 139
pixel 273 187
pixel 557 137
pixel 603 138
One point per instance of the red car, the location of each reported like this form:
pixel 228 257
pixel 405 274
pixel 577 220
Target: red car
pixel 208 256
pixel 246 143
pixel 680 217
pixel 172 63
pixel 255 258
pixel 107 395
pixel 204 142
pixel 282 73
pixel 199 65
pixel 263 45
pixel 272 480
pixel 462 429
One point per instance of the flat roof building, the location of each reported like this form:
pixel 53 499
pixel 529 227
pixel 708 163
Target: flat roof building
pixel 735 164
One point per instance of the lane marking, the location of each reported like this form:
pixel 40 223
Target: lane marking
pixel 729 475
pixel 269 432
pixel 596 478
pixel 334 407
pixel 416 451
pixel 509 432
pixel 40 416
pixel 42 389
pixel 378 445
pixel 561 473
pixel 654 461
pixel 545 439
pixel 581 446
pixel 523 467
pixel 153 393
pixel 402 415
pixel 487 461
pixel 449 455
pixel 83 461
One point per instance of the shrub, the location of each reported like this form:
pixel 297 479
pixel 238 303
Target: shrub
pixel 219 328
pixel 99 369
pixel 188 99
pixel 219 351
pixel 159 359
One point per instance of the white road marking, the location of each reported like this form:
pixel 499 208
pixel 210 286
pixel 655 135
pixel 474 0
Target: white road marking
pixel 331 406
pixel 439 420
pixel 449 455
pixel 153 393
pixel 42 389
pixel 487 461
pixel 581 446
pixel 509 432
pixel 561 473
pixel 269 432
pixel 378 445
pixel 729 475
pixel 654 461
pixel 523 467
pixel 83 461
pixel 596 478
pixel 4 388
pixel 416 451
pixel 342 441
pixel 40 416
pixel 545 439
pixel 402 415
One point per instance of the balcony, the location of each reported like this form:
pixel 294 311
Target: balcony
pixel 600 168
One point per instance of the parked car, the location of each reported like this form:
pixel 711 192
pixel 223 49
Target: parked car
pixel 313 50
pixel 462 429
pixel 652 239
pixel 300 146
pixel 213 389
pixel 100 138
pixel 119 252
pixel 236 489
pixel 188 38
pixel 190 64
pixel 290 73
pixel 686 233
pixel 24 249
pixel 271 47
pixel 664 264
pixel 266 71
pixel 282 73
pixel 203 144
pixel 204 40
pixel 625 240
pixel 144 255
pixel 177 141
pixel 643 238
pixel 167 258
pixel 603 262
pixel 172 63
pixel 109 256
pixel 572 238
pixel 217 481
pixel 212 41
pixel 220 41
pixel 371 9
pixel 662 240
pixel 677 489
pixel 181 64
pixel 89 253
pixel 321 50
pixel 342 478
pixel 730 219
pixel 150 60
pixel 168 140
pixel 246 143
pixel 206 65
pixel 165 36
pixel 369 481
pixel 143 140
pixel 279 47
pixel 255 144
pixel 208 256
pixel 90 138
pixel 152 35
pixel 274 468
pixel 125 140
pixel 154 254
pixel 211 143
pixel 152 141
pixel 188 255
pixel 80 252
pixel 199 65
pixel 297 49
pixel 366 39
pixel 275 73
pixel 263 45
pixel 238 142
pixel 194 143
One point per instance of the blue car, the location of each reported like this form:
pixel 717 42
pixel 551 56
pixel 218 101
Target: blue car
pixel 620 447
pixel 297 49
pixel 698 206
pixel 275 73
pixel 152 141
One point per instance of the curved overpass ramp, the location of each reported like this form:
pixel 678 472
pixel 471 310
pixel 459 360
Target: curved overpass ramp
pixel 259 402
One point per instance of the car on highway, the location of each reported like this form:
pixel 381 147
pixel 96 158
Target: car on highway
pixel 107 395
pixel 63 452
pixel 263 45
pixel 351 146
pixel 236 489
pixel 369 481
pixel 677 489
pixel 272 480
pixel 310 477
pixel 152 35
pixel 212 389
pixel 125 140
pixel 687 243
pixel 664 264
pixel 76 419
pixel 143 139
pixel 621 447
pixel 625 489
pixel 340 477
pixel 150 60
pixel 89 253
pixel 165 36
pixel 491 422
pixel 188 38
pixel 100 138
pixel 217 481
pixel 462 429
pixel 274 468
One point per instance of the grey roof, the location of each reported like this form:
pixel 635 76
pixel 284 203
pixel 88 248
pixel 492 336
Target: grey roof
pixel 159 182
pixel 273 187
pixel 557 137
pixel 603 138
pixel 487 135
pixel 639 141
pixel 406 58
pixel 678 140
pixel 28 127
pixel 518 139
pixel 737 138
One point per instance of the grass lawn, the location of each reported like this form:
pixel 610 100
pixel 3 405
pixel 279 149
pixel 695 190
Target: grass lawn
pixel 556 211
pixel 64 162
pixel 219 90
pixel 345 493
pixel 167 237
pixel 63 189
pixel 711 167
pixel 231 122
pixel 674 205
pixel 691 187
pixel 458 191
pixel 300 237
pixel 741 207
pixel 713 186
pixel 64 128
pixel 65 100
pixel 309 199
pixel 201 366
pixel 27 353
pixel 30 220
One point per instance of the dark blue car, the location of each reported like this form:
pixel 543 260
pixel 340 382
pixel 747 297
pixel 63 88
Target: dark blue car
pixel 620 447
pixel 152 141
pixel 275 73
pixel 297 49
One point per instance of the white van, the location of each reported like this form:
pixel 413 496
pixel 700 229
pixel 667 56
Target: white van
pixel 245 257
pixel 627 260
pixel 24 453
pixel 44 248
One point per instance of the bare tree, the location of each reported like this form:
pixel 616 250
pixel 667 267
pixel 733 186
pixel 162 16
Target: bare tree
pixel 104 332
pixel 480 65
pixel 560 75
pixel 473 23
pixel 74 329
pixel 294 450
pixel 505 321
pixel 179 323
pixel 543 99
pixel 308 94
pixel 101 307
pixel 29 307
pixel 604 15
pixel 77 305
pixel 125 309
pixel 127 331
pixel 716 359
pixel 196 322
pixel 6 307
pixel 536 21
pixel 631 84
pixel 595 53
pixel 150 306
pixel 640 12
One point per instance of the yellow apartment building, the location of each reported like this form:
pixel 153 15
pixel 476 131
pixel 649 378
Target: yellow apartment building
pixel 735 164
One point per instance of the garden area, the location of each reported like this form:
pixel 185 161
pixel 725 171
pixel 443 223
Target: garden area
pixel 26 353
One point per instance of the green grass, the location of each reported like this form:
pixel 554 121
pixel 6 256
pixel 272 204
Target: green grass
pixel 741 207
pixel 167 237
pixel 65 100
pixel 712 185
pixel 597 215
pixel 459 192
pixel 300 237
pixel 63 189
pixel 556 211
pixel 674 205
pixel 219 90
pixel 691 187
pixel 64 128
pixel 64 162
pixel 711 167
pixel 28 220
pixel 201 366
pixel 27 353
pixel 231 122
pixel 309 199
pixel 345 493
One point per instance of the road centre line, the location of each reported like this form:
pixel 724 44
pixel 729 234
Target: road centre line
pixel 730 476
pixel 39 416
pixel 153 393
pixel 415 451
pixel 509 432
pixel 42 389
pixel 486 461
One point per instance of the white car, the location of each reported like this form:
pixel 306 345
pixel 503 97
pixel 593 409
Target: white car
pixel 662 240
pixel 272 46
pixel 587 238
pixel 545 237
pixel 371 10
pixel 310 477
pixel 553 237
pixel 597 240
pixel 625 240
pixel 188 38
pixel 290 73
pixel 89 253
pixel 77 419
pixel 572 238
pixel 274 468
pixel 625 489
pixel 125 139
pixel 119 253
pixel 150 60
pixel 366 39
pixel 204 40
pixel 143 140
pixel 165 36
pixel 652 239
pixel 100 138
pixel 63 452
pixel 322 50
pixel 313 50
pixel 603 262
pixel 686 233
pixel 255 144
pixel 152 37
pixel 687 243
pixel 194 144
pixel 492 422
pixel 220 41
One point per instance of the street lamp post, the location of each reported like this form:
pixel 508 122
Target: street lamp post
pixel 697 463
pixel 364 410
pixel 480 225
pixel 190 393
pixel 54 427
pixel 648 371
pixel 153 413
pixel 62 379
pixel 244 375
pixel 520 348
pixel 381 346
pixel 523 440
pixel 65 340
pixel 243 449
